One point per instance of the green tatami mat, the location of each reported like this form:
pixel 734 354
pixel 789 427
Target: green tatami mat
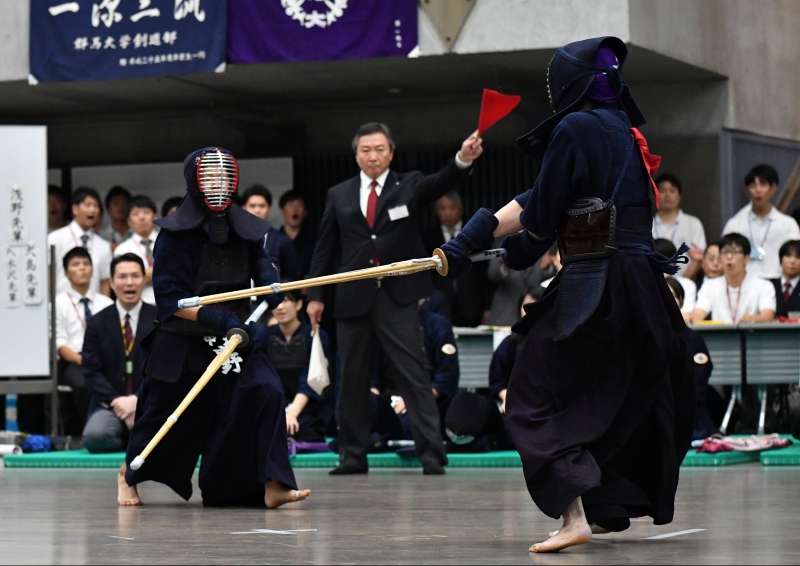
pixel 82 459
pixel 789 456
pixel 65 459
pixel 693 459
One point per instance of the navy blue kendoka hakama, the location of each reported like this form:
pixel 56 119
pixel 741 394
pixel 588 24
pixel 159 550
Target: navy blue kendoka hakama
pixel 605 412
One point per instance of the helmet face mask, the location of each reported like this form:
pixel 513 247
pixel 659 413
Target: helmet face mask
pixel 217 179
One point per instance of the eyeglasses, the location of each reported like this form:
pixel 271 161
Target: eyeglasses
pixel 730 251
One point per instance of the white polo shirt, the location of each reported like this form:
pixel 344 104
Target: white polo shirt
pixel 136 246
pixel 73 236
pixel 728 304
pixel 769 233
pixel 685 228
pixel 71 317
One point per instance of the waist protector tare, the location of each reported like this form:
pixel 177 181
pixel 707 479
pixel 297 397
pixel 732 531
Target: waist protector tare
pixel 587 230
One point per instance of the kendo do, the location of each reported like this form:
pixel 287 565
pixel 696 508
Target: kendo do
pixel 601 400
pixel 237 422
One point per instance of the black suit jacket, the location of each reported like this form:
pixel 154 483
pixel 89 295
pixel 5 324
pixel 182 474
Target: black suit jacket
pixel 345 241
pixel 793 304
pixel 466 297
pixel 104 354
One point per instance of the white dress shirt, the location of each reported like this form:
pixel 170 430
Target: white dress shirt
pixel 366 188
pixel 689 293
pixel 768 233
pixel 70 236
pixel 135 245
pixel 71 319
pixel 112 236
pixel 685 228
pixel 792 284
pixel 134 314
pixel 450 233
pixel 366 184
pixel 728 304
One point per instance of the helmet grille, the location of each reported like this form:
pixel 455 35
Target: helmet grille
pixel 217 178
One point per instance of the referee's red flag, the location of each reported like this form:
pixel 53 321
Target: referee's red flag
pixel 494 107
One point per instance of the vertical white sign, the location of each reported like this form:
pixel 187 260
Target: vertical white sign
pixel 24 340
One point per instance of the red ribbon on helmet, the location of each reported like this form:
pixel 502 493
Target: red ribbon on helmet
pixel 651 162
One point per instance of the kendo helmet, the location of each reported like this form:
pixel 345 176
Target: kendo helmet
pixel 570 77
pixel 217 177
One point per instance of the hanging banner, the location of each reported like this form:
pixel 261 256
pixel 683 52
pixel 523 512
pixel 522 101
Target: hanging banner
pixel 264 31
pixel 119 39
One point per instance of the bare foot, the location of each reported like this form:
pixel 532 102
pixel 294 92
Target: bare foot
pixel 127 496
pixel 277 494
pixel 595 531
pixel 574 531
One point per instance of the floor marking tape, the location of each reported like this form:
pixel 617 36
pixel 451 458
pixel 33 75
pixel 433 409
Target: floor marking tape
pixel 271 532
pixel 679 533
pixel 125 538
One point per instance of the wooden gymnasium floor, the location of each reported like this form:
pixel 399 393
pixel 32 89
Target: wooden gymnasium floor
pixel 740 514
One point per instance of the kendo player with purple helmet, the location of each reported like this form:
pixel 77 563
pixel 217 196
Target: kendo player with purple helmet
pixel 237 422
pixel 600 404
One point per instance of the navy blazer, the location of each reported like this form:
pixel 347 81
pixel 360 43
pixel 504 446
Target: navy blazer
pixel 344 235
pixel 104 354
pixel 793 304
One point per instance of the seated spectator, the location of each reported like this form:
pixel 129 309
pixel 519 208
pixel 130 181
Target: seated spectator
pixel 672 224
pixel 465 301
pixel 442 365
pixel 117 230
pixel 258 200
pixel 74 309
pixel 787 292
pixel 712 266
pixel 56 208
pixel 766 227
pixel 170 205
pixel 476 421
pixel 668 249
pixel 293 209
pixel 704 425
pixel 85 210
pixel 112 359
pixel 288 347
pixel 141 213
pixel 739 296
pixel 512 285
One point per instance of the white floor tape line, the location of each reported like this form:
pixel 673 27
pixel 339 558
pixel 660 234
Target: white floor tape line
pixel 677 534
pixel 271 532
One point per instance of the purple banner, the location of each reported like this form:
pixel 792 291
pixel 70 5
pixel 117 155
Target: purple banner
pixel 264 31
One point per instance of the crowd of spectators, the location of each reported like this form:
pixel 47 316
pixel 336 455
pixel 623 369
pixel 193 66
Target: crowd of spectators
pixel 104 306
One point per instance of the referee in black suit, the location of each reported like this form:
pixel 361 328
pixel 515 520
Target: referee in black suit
pixel 374 219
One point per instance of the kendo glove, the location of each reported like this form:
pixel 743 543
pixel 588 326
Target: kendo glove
pixel 221 319
pixel 476 235
pixel 522 251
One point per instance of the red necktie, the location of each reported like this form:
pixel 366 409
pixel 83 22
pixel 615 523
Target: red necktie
pixel 372 205
pixel 786 287
pixel 128 350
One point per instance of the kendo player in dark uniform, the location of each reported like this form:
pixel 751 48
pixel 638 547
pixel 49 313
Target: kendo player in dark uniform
pixel 601 400
pixel 237 422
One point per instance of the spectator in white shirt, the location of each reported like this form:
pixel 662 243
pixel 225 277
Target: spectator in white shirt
pixel 85 211
pixel 739 296
pixel 118 230
pixel 766 228
pixel 787 293
pixel 712 265
pixel 676 226
pixel 689 297
pixel 141 213
pixel 74 308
